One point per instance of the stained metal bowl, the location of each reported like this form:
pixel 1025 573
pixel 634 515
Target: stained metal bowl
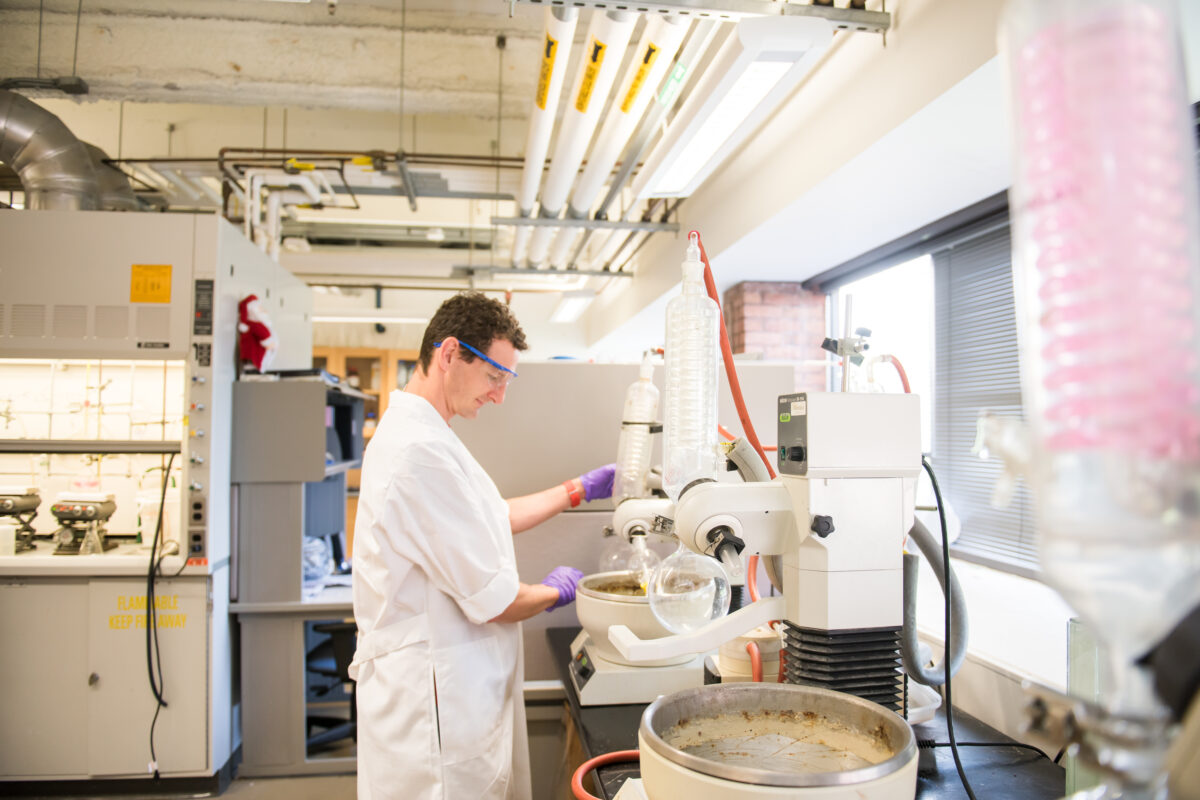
pixel 740 732
pixel 599 609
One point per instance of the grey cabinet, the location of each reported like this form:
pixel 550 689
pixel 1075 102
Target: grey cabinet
pixel 75 656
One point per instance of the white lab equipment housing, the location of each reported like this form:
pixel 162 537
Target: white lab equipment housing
pixel 113 292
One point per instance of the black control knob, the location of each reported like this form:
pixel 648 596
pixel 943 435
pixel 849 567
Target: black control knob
pixel 822 525
pixel 797 453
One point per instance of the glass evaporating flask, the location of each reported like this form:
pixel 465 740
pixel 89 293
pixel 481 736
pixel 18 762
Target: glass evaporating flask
pixel 690 416
pixel 635 445
pixel 688 591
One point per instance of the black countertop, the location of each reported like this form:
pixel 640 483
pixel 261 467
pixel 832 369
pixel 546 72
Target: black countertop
pixel 1003 771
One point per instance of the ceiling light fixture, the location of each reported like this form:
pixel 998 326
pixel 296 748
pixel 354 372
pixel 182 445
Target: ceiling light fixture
pixel 572 305
pixel 759 64
pixel 371 318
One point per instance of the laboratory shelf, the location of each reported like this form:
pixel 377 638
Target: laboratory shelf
pixel 126 560
pixel 86 446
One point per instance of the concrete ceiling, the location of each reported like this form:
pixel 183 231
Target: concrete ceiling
pixel 878 141
pixel 261 53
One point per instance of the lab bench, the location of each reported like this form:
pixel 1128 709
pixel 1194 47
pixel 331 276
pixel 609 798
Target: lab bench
pixel 1002 771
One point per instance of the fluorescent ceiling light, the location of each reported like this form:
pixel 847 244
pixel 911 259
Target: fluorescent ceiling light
pixel 572 305
pixel 756 68
pixel 371 317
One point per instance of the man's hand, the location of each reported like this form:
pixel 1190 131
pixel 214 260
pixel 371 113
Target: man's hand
pixel 564 579
pixel 598 483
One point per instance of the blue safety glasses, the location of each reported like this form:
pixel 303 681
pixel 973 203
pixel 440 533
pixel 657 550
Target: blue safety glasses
pixel 496 380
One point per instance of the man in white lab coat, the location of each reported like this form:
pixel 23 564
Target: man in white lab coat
pixel 437 598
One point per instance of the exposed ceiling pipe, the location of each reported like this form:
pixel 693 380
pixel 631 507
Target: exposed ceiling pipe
pixel 556 49
pixel 704 36
pixel 116 194
pixel 608 37
pixel 655 52
pixel 55 168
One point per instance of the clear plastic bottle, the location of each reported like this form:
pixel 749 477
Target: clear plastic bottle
pixel 635 444
pixel 692 349
pixel 1106 271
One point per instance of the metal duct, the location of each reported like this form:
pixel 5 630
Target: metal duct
pixel 116 194
pixel 55 168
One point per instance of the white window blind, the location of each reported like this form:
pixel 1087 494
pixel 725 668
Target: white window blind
pixel 976 370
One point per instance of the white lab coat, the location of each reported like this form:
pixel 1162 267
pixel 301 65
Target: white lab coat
pixel 441 712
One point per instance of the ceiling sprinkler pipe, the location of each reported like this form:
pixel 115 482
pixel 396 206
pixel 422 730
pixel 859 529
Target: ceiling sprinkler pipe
pixel 607 39
pixel 552 68
pixel 55 168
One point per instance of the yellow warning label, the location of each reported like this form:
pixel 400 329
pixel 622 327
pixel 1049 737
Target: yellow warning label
pixel 150 283
pixel 549 53
pixel 595 57
pixel 648 59
pixel 137 620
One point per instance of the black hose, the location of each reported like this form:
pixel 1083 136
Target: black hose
pixel 937 492
pixel 153 652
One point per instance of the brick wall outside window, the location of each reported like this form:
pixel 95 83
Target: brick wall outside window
pixel 782 321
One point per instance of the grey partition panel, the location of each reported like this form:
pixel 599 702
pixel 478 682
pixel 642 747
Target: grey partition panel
pixel 272 694
pixel 561 418
pixel 270 535
pixel 278 431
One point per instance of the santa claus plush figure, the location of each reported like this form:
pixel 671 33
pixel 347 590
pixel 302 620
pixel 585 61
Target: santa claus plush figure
pixel 257 341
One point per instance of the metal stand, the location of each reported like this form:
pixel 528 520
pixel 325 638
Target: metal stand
pixel 83 541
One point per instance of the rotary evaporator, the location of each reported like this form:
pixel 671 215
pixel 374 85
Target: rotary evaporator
pixel 831 530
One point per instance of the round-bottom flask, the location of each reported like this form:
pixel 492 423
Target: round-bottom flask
pixel 615 555
pixel 642 561
pixel 688 591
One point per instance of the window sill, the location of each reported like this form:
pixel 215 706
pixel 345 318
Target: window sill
pixel 1017 632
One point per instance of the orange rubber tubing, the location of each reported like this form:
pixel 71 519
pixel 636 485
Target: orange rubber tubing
pixel 735 388
pixel 895 362
pixel 599 761
pixel 755 661
pixel 752 578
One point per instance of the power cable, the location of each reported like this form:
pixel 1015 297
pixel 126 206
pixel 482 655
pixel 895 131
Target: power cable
pixel 41 14
pixel 75 55
pixel 941 506
pixel 153 651
pixel 403 57
pixel 927 744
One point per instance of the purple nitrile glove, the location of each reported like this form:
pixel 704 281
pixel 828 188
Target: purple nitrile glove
pixel 564 579
pixel 598 483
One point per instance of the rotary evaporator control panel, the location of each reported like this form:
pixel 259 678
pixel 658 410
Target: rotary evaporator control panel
pixel 197 448
pixel 793 434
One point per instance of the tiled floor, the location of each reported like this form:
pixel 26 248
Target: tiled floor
pixel 319 787
pixel 316 787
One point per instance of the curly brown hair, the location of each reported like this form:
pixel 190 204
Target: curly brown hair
pixel 475 319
